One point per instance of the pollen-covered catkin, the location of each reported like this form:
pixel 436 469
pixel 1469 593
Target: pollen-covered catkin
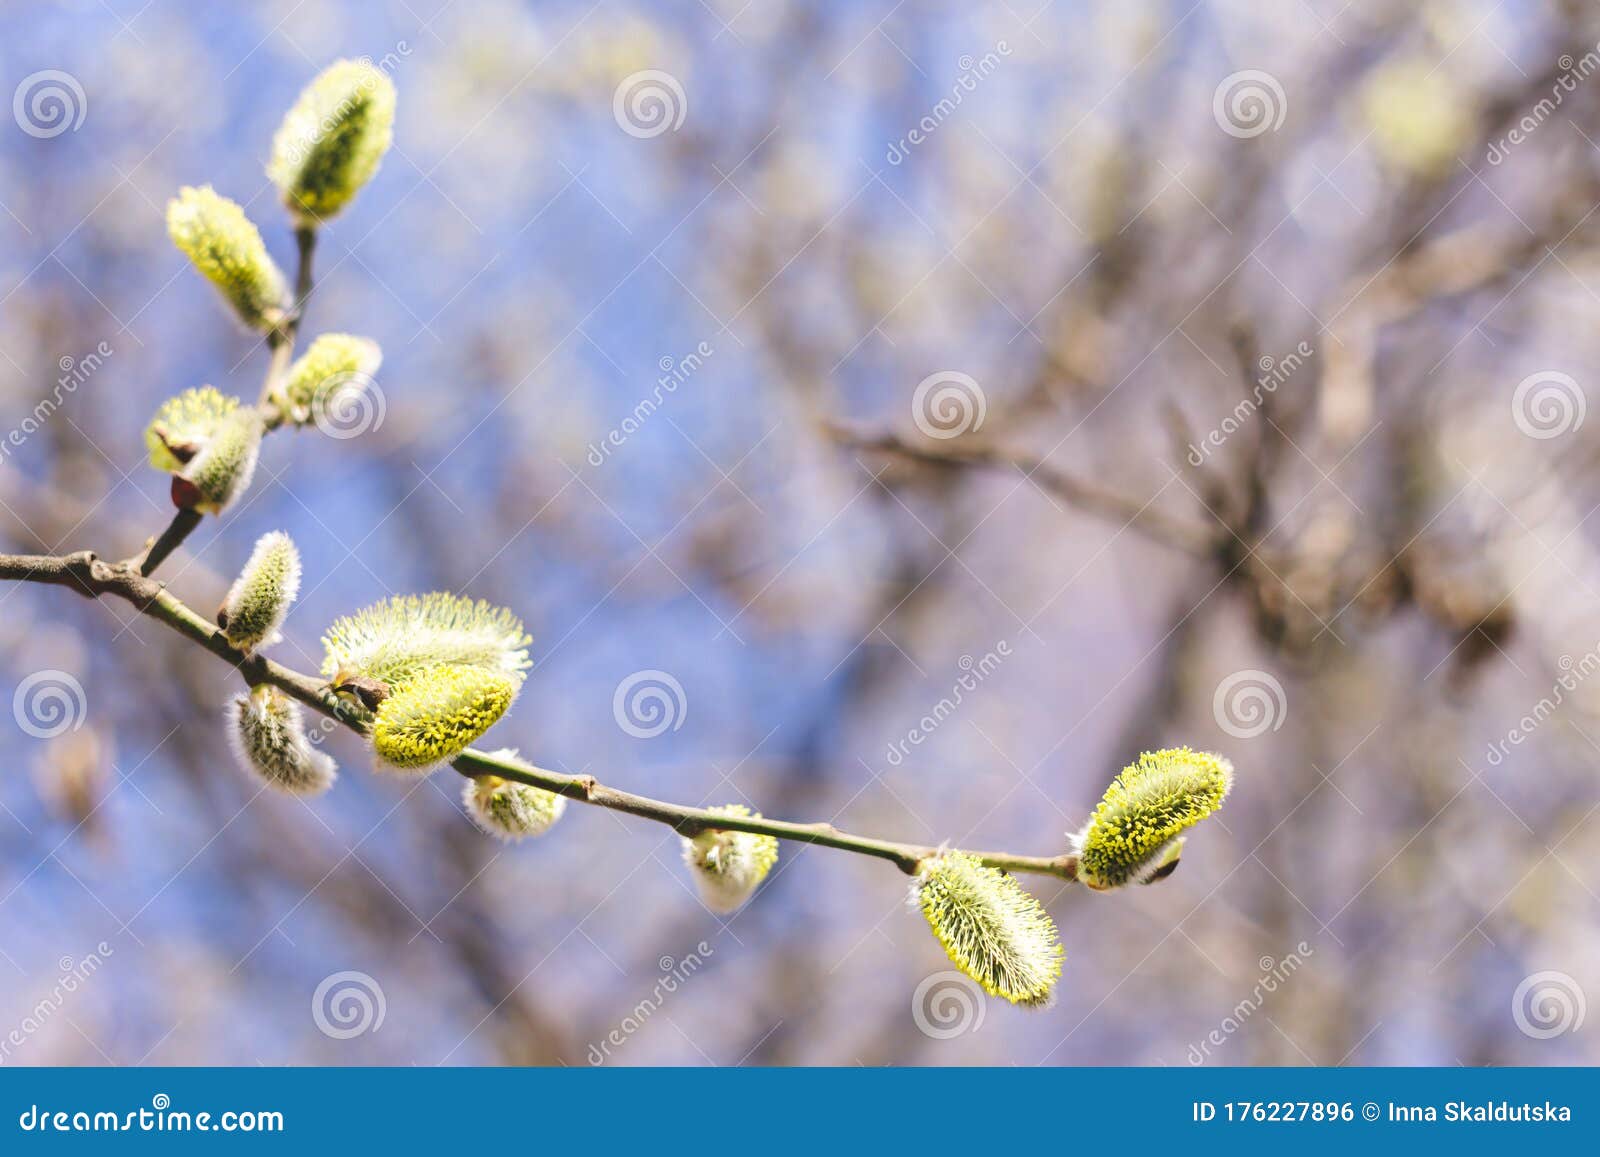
pixel 991 928
pixel 227 249
pixel 437 714
pixel 269 740
pixel 1135 828
pixel 259 599
pixel 332 139
pixel 728 866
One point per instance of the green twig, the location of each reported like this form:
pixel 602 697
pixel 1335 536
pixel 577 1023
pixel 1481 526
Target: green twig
pixel 281 342
pixel 92 577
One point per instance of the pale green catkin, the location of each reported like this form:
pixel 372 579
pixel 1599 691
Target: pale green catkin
pixel 509 810
pixel 335 361
pixel 333 139
pixel 225 465
pixel 259 599
pixel 394 639
pixel 227 249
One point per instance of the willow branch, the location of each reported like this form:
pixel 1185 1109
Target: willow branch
pixel 281 342
pixel 93 577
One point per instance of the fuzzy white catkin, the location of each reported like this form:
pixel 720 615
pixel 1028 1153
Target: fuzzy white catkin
pixel 259 599
pixel 225 465
pixel 268 736
pixel 728 866
pixel 509 810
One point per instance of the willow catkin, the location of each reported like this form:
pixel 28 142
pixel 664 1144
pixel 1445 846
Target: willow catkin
pixel 727 865
pixel 991 928
pixel 1135 831
pixel 259 599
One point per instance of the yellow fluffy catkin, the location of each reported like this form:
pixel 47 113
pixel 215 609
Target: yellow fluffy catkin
pixel 437 714
pixel 1136 829
pixel 991 929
